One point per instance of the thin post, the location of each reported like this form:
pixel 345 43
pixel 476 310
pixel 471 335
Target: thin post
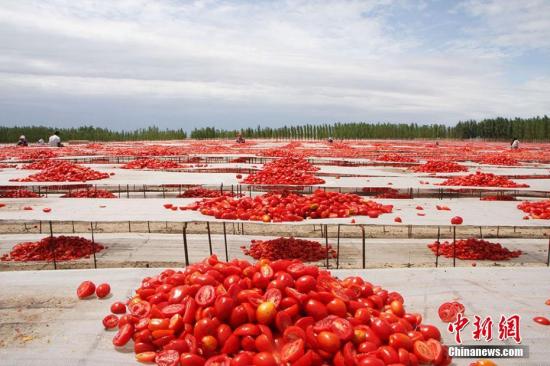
pixel 52 246
pixel 129 227
pixel 225 242
pixel 40 225
pixel 548 259
pixel 72 222
pixel 498 230
pixel 93 244
pixel 326 244
pixel 364 246
pixel 338 247
pixel 454 246
pixel 209 237
pixel 127 191
pixel 149 227
pixel 480 233
pixel 437 244
pixel 184 233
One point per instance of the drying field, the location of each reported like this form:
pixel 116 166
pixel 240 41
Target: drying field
pixel 437 222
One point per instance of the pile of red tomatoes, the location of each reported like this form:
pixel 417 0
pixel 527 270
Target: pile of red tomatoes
pixel 477 249
pixel 439 167
pixel 64 171
pixel 204 192
pixel 89 193
pixel 392 157
pixel 480 179
pixel 151 164
pixel 285 206
pixel 498 160
pixel 19 193
pixel 42 164
pixel 289 248
pixel 289 170
pixel 267 314
pixel 537 210
pixel 65 248
pixel 392 193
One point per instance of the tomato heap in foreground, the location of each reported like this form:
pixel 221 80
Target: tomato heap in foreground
pixel 480 179
pixel 473 248
pixel 64 171
pixel 152 164
pixel 286 206
pixel 439 167
pixel 289 248
pixel 65 248
pixel 89 193
pixel 289 170
pixel 536 210
pixel 270 313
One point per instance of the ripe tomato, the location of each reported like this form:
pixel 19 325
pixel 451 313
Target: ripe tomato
pixel 146 357
pixel 265 313
pixel 110 321
pixel 189 359
pixel 400 340
pixel 264 359
pixel 423 351
pixel 206 295
pixel 167 358
pixel 328 341
pixel 118 308
pixel 429 331
pixel 85 289
pixel 541 320
pixel 292 351
pixel 316 309
pixel 140 309
pixel 103 290
pixel 123 335
pixel 337 307
pixel 381 328
pixel 342 328
pixel 457 220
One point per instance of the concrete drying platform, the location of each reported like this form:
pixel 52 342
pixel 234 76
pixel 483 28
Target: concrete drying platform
pixel 161 250
pixel 472 210
pixel 43 322
pixel 131 177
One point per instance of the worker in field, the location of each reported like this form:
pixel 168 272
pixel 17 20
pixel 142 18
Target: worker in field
pixel 515 144
pixel 330 140
pixel 22 141
pixel 240 139
pixel 55 140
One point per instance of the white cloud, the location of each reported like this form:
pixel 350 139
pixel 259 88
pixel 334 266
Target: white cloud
pixel 332 56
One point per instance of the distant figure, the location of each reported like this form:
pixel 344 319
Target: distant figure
pixel 515 144
pixel 22 141
pixel 330 140
pixel 55 140
pixel 41 142
pixel 240 139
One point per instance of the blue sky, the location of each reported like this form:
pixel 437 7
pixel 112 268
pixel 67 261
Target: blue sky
pixel 185 64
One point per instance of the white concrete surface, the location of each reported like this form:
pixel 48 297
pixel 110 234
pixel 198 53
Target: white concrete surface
pixel 43 322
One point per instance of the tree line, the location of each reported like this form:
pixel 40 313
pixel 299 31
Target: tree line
pixel 526 129
pixel 34 133
pixel 529 129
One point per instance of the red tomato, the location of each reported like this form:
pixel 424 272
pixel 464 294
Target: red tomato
pixel 103 290
pixel 123 335
pixel 265 313
pixel 457 220
pixel 206 295
pixel 110 321
pixel 140 309
pixel 167 358
pixel 85 289
pixel 293 351
pixel 541 320
pixel 328 341
pixel 423 351
pixel 118 308
pixel 189 359
pixel 429 331
pixel 342 328
pixel 316 309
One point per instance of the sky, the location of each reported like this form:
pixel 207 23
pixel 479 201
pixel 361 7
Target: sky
pixel 231 64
